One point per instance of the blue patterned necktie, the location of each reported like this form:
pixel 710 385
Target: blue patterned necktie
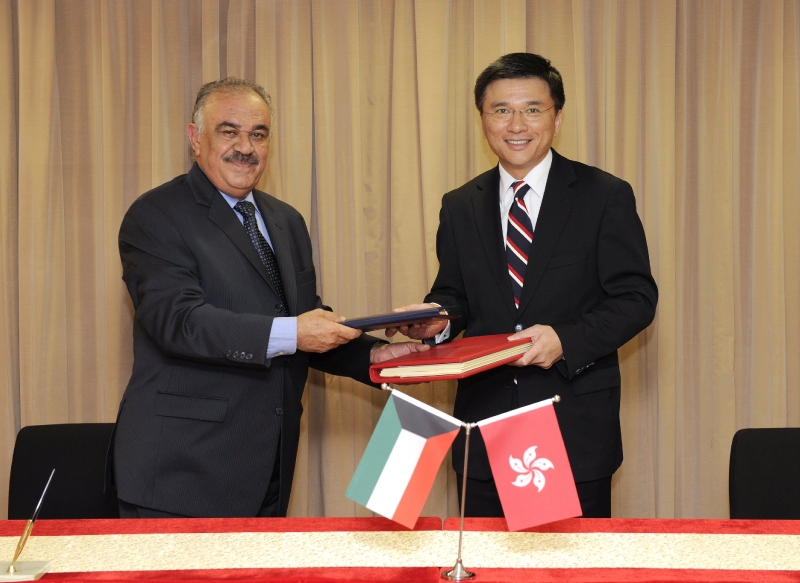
pixel 519 236
pixel 248 212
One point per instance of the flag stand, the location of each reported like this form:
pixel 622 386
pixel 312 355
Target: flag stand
pixel 458 572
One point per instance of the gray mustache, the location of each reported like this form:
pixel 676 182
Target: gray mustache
pixel 239 157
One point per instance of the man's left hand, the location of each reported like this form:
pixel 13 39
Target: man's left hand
pixel 546 349
pixel 417 331
pixel 389 351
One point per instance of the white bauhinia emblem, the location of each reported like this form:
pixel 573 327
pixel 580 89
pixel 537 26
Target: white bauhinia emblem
pixel 530 468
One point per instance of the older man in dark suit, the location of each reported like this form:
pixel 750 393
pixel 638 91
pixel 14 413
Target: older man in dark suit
pixel 546 248
pixel 227 323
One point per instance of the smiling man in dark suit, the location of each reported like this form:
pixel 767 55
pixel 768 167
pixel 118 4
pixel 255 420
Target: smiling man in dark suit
pixel 546 248
pixel 227 323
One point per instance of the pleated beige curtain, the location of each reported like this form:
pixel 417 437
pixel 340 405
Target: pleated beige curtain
pixel 695 103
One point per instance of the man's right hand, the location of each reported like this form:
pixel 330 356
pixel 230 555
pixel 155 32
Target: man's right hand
pixel 417 331
pixel 318 331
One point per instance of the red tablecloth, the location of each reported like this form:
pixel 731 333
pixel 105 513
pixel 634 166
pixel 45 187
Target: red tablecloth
pixel 418 574
pixel 177 525
pixel 641 525
pixel 625 525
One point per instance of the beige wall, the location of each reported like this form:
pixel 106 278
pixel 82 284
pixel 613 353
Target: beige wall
pixel 695 103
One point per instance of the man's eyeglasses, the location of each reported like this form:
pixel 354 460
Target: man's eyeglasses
pixel 504 114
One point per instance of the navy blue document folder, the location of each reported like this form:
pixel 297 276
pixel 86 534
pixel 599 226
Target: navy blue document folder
pixel 391 319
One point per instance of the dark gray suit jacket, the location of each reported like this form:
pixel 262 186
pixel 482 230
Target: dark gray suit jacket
pixel 588 277
pixel 200 421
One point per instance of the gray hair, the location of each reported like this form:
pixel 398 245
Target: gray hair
pixel 230 86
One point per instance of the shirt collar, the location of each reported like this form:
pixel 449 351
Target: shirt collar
pixel 536 178
pixel 232 201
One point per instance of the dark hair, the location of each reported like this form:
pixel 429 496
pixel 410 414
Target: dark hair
pixel 521 66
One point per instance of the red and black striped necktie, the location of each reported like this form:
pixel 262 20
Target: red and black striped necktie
pixel 519 236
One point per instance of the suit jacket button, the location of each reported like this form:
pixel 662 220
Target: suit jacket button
pixel 249 356
pixel 279 411
pixel 518 328
pixel 279 308
pixel 228 353
pixel 507 385
pixel 236 354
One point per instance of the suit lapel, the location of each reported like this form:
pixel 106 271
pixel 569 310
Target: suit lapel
pixel 486 210
pixel 281 245
pixel 556 206
pixel 225 218
pixel 222 215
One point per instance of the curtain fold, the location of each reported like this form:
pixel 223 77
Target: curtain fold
pixel 791 202
pixel 9 246
pixel 695 103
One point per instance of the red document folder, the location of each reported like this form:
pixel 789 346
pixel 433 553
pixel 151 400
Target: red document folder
pixel 454 360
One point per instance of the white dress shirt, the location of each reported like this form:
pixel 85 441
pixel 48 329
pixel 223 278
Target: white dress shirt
pixel 537 180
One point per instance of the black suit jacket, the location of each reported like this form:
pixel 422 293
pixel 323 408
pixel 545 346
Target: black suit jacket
pixel 200 421
pixel 588 277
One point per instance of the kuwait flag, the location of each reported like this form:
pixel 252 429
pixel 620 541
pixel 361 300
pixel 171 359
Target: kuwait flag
pixel 530 466
pixel 402 457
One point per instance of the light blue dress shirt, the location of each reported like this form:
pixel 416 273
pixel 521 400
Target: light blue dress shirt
pixel 283 336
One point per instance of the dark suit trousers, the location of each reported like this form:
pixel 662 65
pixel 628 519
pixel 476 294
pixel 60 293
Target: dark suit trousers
pixel 483 500
pixel 270 507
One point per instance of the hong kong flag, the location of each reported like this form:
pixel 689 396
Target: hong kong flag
pixel 530 466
